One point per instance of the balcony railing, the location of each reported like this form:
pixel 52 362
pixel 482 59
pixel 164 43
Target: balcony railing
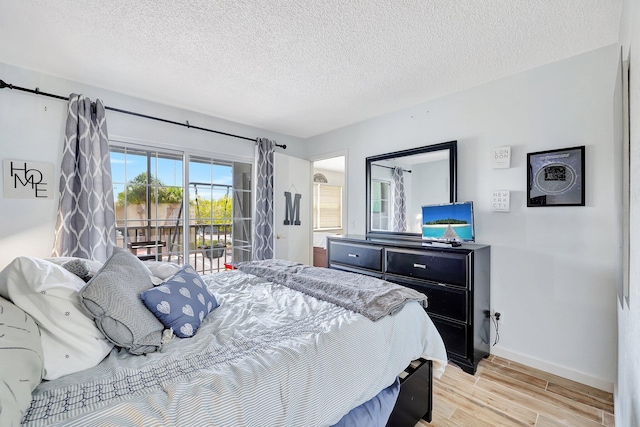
pixel 210 246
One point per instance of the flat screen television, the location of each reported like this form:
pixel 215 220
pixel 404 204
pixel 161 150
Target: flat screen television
pixel 451 222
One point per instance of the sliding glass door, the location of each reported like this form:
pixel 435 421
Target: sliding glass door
pixel 187 209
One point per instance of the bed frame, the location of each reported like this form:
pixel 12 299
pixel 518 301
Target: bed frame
pixel 415 400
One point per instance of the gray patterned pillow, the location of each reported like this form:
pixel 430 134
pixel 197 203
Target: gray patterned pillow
pixel 112 297
pixel 78 267
pixel 21 362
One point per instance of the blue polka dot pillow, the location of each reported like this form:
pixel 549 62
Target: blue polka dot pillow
pixel 181 302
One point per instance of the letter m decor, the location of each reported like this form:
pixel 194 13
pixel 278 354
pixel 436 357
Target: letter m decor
pixel 292 209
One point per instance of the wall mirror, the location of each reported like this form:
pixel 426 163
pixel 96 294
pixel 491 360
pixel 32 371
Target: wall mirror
pixel 400 183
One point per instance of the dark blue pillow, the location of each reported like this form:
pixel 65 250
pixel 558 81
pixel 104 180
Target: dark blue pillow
pixel 181 302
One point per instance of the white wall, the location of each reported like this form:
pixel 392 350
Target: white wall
pixel 430 187
pixel 627 394
pixel 32 128
pixel 333 177
pixel 553 268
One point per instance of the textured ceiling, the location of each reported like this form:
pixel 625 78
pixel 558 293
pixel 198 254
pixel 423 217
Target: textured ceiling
pixel 298 67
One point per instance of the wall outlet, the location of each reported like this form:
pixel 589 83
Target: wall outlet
pixel 352 224
pixel 499 319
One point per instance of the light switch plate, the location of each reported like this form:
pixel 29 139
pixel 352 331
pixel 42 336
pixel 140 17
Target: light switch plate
pixel 500 201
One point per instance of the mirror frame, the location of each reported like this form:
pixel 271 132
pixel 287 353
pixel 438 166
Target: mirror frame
pixel 452 146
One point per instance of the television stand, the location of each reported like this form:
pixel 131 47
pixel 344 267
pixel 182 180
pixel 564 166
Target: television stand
pixel 441 244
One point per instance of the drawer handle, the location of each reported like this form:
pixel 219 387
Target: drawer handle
pixel 353 255
pixel 422 266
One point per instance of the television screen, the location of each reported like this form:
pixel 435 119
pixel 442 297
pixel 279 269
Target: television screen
pixel 452 222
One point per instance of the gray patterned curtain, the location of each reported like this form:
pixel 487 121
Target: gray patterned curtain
pixel 399 201
pixel 85 226
pixel 263 232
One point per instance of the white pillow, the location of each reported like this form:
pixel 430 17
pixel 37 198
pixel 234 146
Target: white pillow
pixel 94 266
pixel 71 341
pixel 21 362
pixel 162 269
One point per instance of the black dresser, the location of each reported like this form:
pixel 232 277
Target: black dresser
pixel 455 280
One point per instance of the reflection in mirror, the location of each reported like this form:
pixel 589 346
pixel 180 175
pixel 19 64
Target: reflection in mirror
pixel 398 190
pixel 399 184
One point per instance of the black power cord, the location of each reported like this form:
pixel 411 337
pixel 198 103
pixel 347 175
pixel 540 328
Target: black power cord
pixel 496 319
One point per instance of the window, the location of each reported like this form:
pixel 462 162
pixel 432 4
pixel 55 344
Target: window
pixel 380 204
pixel 327 206
pixel 204 218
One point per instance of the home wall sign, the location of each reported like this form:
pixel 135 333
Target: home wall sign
pixel 24 179
pixel 292 208
pixel 556 177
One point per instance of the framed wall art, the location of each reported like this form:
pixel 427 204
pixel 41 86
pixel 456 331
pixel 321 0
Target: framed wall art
pixel 24 179
pixel 623 86
pixel 556 177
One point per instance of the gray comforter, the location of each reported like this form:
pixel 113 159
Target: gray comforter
pixel 373 298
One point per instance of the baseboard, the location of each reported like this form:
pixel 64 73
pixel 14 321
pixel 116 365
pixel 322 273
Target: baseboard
pixel 560 371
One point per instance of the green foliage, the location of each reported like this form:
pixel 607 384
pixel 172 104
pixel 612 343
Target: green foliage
pixel 213 211
pixel 171 195
pixel 137 191
pixel 209 214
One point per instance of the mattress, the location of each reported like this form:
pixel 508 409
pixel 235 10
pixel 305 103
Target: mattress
pixel 268 356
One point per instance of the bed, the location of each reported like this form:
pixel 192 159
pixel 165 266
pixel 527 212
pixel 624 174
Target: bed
pixel 266 355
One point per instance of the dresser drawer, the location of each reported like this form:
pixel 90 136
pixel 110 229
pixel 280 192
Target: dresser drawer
pixel 453 335
pixel 442 300
pixel 375 274
pixel 362 256
pixel 441 267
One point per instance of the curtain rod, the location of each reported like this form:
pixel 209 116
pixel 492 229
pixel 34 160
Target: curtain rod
pixel 37 91
pixel 389 167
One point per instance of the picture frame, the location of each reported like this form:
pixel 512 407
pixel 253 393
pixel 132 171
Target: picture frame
pixel 556 177
pixel 623 287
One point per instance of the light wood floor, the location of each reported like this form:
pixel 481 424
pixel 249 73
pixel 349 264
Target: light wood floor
pixel 505 393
